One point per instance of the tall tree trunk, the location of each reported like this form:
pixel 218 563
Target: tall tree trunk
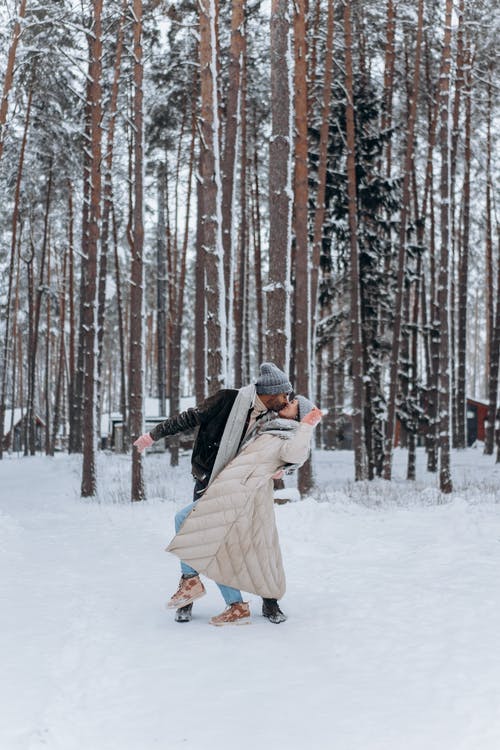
pixel 9 72
pixel 278 330
pixel 355 291
pixel 240 295
pixel 60 359
pixel 389 66
pixel 211 197
pixel 121 337
pixel 489 303
pixel 12 263
pixel 302 305
pixel 319 214
pixel 178 312
pixel 48 349
pixel 463 270
pixel 161 292
pixel 31 416
pixel 230 158
pixel 200 359
pixel 89 267
pixel 402 253
pixel 76 425
pixel 136 411
pixel 106 210
pixel 71 300
pixel 257 247
pixel 445 482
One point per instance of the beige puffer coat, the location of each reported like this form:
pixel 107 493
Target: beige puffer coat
pixel 231 536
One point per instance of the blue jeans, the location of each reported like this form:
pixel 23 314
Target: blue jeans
pixel 231 596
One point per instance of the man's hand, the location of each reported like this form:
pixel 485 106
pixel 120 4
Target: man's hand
pixel 144 441
pixel 279 474
pixel 314 417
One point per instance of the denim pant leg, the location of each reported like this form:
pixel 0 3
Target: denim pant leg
pixel 180 517
pixel 229 594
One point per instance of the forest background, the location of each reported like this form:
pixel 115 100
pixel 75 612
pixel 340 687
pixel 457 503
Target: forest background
pixel 190 188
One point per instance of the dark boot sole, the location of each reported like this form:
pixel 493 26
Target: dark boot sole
pixel 184 614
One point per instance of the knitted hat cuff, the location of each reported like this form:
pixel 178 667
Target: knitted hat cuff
pixel 272 380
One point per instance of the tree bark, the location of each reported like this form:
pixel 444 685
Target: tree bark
pixel 355 291
pixel 12 263
pixel 278 330
pixel 211 196
pixel 89 267
pixel 402 253
pixel 136 411
pixel 445 481
pixel 9 72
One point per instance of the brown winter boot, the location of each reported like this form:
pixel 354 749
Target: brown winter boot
pixel 236 614
pixel 189 589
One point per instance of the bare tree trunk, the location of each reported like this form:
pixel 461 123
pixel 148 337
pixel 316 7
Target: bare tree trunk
pixel 355 290
pixel 463 271
pixel 200 362
pixel 211 196
pixel 106 211
pixel 278 331
pixel 319 214
pixel 89 267
pixel 71 300
pixel 30 416
pixel 136 411
pixel 229 160
pixel 302 304
pixel 389 66
pixel 27 426
pixel 445 482
pixel 240 291
pixel 76 425
pixel 48 348
pixel 489 303
pixel 121 336
pixel 61 358
pixel 9 72
pixel 257 246
pixel 15 221
pixel 161 292
pixel 175 358
pixel 402 253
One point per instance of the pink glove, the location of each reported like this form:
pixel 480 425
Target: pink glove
pixel 313 418
pixel 144 441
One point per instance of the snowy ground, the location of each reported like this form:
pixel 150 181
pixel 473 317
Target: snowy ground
pixel 392 641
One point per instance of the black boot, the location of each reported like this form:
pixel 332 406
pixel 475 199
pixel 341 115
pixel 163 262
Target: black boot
pixel 183 614
pixel 271 610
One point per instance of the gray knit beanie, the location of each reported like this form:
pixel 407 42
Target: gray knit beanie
pixel 305 406
pixel 272 380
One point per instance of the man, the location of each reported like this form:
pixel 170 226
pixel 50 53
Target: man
pixel 223 420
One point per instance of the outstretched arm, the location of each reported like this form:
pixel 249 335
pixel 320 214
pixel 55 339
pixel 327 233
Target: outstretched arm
pixel 186 420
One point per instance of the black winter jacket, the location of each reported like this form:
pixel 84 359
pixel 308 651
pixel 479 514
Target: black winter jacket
pixel 210 419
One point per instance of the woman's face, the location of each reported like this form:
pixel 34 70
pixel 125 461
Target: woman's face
pixel 291 410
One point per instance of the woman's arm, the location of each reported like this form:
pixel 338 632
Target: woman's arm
pixel 296 450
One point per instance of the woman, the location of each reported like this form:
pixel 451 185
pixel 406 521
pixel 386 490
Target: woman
pixel 230 534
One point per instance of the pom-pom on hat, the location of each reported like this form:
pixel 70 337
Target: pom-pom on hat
pixel 305 406
pixel 272 380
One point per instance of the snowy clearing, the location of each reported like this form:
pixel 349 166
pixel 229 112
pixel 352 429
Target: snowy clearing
pixel 392 641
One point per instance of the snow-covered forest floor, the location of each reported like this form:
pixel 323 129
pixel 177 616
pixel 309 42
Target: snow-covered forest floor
pixel 392 641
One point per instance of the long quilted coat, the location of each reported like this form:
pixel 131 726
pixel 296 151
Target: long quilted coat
pixel 230 535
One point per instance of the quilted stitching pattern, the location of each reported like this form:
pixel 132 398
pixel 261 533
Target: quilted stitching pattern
pixel 231 535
